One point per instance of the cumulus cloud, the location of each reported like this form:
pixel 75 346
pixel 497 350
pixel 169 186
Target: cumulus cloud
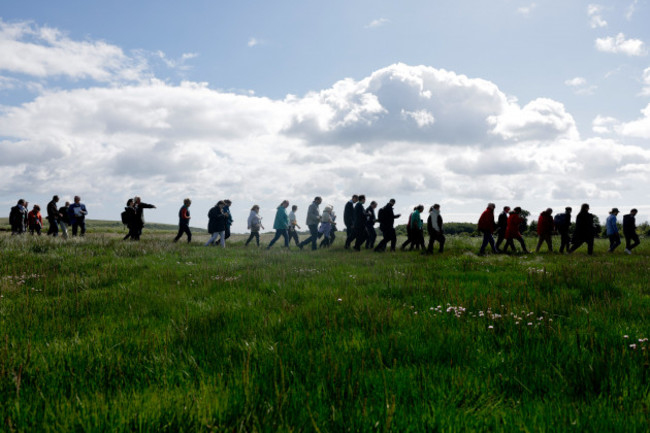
pixel 619 45
pixel 596 20
pixel 646 83
pixel 580 86
pixel 639 128
pixel 44 52
pixel 631 10
pixel 604 124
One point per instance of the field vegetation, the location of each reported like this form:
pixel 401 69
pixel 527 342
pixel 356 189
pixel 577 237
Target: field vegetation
pixel 97 334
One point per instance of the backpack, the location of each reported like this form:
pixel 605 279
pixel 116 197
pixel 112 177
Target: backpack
pixel 560 220
pixel 381 215
pixel 125 218
pixel 15 216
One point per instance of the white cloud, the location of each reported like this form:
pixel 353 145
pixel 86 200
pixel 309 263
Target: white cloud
pixel 639 128
pixel 620 45
pixel 527 10
pixel 253 42
pixel 44 52
pixel 580 87
pixel 646 82
pixel 594 12
pixel 604 124
pixel 576 82
pixel 631 9
pixel 377 23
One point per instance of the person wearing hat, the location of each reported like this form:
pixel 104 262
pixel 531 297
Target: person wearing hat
pixel 612 231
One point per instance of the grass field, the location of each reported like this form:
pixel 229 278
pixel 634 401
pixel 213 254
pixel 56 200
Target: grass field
pixel 97 334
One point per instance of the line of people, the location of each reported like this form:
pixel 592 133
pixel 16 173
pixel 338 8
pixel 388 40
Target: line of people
pixel 360 224
pixel 60 218
pixel 509 223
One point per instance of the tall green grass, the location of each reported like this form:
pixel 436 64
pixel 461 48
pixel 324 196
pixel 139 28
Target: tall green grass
pixel 97 334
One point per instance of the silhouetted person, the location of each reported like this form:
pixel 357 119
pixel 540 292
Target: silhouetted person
pixel 293 225
pixel 217 220
pixel 77 213
pixel 584 231
pixel 360 233
pixel 386 219
pixel 129 218
pixel 502 226
pixel 138 221
pixel 313 218
pixel 348 219
pixel 545 228
pixel 371 219
pixel 409 232
pixel 512 231
pixel 17 218
pixel 53 216
pixel 562 222
pixel 629 231
pixel 434 227
pixel 184 221
pixel 612 231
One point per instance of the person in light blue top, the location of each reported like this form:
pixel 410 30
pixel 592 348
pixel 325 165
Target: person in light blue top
pixel 612 231
pixel 281 224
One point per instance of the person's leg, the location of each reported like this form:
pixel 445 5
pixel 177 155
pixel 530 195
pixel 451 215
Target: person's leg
pixel 521 242
pixel 250 238
pixel 222 241
pixel 227 232
pixel 286 237
pixel 64 229
pixel 441 239
pixel 179 234
pixel 485 242
pixel 82 226
pixel 590 246
pixel 540 241
pixel 360 238
pixel 636 241
pixel 549 242
pixel 75 228
pixel 189 233
pixel 212 239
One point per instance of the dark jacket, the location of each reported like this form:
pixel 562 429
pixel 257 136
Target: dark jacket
pixel 502 223
pixel 359 216
pixel 387 217
pixel 130 216
pixel 486 221
pixel 584 225
pixel 52 211
pixel 217 220
pixel 370 217
pixel 629 224
pixel 348 214
pixel 63 210
pixel 138 221
pixel 184 216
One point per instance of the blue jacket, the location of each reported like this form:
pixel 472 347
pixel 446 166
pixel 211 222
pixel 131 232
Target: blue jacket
pixel 611 225
pixel 71 212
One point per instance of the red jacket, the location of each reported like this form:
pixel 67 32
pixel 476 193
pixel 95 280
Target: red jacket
pixel 545 224
pixel 34 219
pixel 514 221
pixel 486 222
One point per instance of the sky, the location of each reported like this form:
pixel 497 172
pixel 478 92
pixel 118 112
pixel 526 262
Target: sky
pixel 523 103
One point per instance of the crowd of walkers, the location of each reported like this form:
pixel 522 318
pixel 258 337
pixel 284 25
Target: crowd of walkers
pixel 359 220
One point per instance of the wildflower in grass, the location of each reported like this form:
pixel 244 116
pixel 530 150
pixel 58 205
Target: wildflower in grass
pixel 339 300
pixel 530 323
pixel 633 346
pixel 490 327
pixel 626 336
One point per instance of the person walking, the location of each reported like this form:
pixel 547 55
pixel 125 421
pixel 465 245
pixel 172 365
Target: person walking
pixel 360 233
pixel 184 221
pixel 229 221
pixel 545 228
pixel 128 217
pixel 629 231
pixel 17 217
pixel 77 213
pixel 434 227
pixel 281 225
pixel 502 226
pixel 612 230
pixel 326 225
pixel 562 223
pixel 293 225
pixel 417 228
pixel 35 220
pixel 217 219
pixel 348 220
pixel 370 225
pixel 409 232
pixel 254 225
pixel 138 221
pixel 53 216
pixel 487 226
pixel 64 219
pixel 584 230
pixel 512 231
pixel 387 219
pixel 313 218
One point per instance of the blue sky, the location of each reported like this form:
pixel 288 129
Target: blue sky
pixel 519 102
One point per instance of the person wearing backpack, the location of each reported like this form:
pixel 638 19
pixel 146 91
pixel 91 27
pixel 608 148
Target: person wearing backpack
pixel 387 219
pixel 184 221
pixel 53 216
pixel 128 215
pixel 562 222
pixel 584 231
pixel 434 227
pixel 370 225
pixel 138 221
pixel 545 228
pixel 17 217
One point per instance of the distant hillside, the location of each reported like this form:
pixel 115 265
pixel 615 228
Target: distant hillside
pixel 112 226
